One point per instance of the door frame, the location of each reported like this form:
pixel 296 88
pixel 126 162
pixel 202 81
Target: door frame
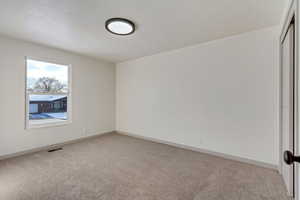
pixel 291 15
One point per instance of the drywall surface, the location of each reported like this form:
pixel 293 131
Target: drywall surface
pixel 93 97
pixel 220 96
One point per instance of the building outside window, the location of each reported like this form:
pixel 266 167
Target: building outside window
pixel 48 94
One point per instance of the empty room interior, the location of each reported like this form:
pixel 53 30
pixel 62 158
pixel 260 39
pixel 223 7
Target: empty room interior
pixel 149 100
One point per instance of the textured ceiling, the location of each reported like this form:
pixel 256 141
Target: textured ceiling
pixel 162 25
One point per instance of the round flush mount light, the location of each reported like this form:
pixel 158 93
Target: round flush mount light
pixel 120 26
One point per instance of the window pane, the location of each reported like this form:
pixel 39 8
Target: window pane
pixel 47 107
pixel 47 93
pixel 43 77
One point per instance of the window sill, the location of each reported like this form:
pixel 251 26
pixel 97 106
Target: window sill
pixel 34 124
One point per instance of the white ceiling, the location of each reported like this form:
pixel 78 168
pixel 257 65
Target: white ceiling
pixel 78 25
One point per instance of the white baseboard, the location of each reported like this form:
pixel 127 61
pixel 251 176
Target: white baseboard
pixel 226 156
pixel 48 147
pixel 196 149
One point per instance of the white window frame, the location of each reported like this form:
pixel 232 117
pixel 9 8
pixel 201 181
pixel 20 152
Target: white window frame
pixel 50 122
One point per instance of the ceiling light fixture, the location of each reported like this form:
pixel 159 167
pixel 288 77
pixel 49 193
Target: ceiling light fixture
pixel 120 26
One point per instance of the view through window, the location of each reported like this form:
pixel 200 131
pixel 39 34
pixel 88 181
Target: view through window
pixel 47 93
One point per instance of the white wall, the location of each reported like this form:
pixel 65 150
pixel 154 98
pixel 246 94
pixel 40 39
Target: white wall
pixel 219 96
pixel 287 5
pixel 93 97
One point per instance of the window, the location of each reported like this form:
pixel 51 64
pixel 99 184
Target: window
pixel 48 94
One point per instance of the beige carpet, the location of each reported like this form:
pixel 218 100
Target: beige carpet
pixel 116 167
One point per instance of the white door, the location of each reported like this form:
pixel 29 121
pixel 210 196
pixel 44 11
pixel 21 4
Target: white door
pixel 287 106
